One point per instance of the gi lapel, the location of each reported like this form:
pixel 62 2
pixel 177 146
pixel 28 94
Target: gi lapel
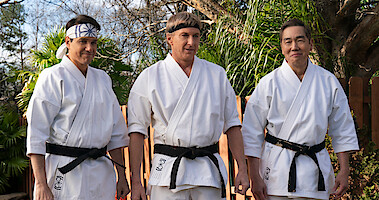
pixel 74 71
pixel 83 110
pixel 183 101
pixel 297 102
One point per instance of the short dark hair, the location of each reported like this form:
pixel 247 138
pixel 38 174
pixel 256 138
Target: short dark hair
pixel 82 19
pixel 295 22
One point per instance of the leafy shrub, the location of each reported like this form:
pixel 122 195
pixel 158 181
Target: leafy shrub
pixel 12 146
pixel 364 168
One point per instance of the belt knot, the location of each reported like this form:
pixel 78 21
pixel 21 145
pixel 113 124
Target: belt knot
pixel 95 153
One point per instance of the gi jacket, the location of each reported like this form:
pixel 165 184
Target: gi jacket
pixel 69 109
pixel 184 111
pixel 309 109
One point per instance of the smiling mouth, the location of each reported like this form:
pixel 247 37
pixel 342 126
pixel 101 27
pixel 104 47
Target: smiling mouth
pixel 296 54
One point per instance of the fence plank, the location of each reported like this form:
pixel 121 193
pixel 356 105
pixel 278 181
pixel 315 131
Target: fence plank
pixel 224 153
pixel 356 99
pixel 375 111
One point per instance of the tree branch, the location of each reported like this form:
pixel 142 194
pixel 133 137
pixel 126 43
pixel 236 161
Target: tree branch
pixel 210 8
pixel 7 2
pixel 350 6
pixel 361 38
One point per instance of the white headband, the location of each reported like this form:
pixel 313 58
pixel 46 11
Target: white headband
pixel 76 31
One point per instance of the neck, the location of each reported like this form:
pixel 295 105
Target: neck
pixel 185 65
pixel 299 69
pixel 82 68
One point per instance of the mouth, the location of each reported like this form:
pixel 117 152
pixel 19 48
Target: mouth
pixel 189 50
pixel 296 55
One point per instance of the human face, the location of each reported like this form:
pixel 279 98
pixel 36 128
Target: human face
pixel 296 46
pixel 81 51
pixel 184 44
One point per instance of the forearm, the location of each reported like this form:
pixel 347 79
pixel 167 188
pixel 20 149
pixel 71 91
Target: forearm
pixel 136 152
pixel 235 142
pixel 117 156
pixel 343 160
pixel 253 167
pixel 39 170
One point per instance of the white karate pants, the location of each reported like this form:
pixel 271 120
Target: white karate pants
pixel 287 198
pixel 196 193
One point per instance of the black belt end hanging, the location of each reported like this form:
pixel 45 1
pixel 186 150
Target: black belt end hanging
pixel 300 150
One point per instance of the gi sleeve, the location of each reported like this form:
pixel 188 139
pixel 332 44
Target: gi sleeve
pixel 139 106
pixel 230 109
pixel 341 124
pixel 255 121
pixel 43 106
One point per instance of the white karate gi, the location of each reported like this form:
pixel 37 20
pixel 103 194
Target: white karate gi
pixel 72 110
pixel 187 112
pixel 324 109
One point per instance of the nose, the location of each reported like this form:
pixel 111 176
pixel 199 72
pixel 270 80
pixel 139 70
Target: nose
pixel 294 46
pixel 89 47
pixel 191 40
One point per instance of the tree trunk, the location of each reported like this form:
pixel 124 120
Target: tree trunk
pixel 351 38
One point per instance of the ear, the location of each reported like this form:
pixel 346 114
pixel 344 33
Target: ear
pixel 169 38
pixel 67 40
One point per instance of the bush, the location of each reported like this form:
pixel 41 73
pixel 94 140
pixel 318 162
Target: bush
pixel 364 168
pixel 12 146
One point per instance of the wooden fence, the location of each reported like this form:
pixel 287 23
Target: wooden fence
pixel 360 100
pixel 364 103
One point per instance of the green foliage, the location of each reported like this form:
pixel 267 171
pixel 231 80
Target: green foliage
pixel 12 50
pixel 364 168
pixel 12 18
pixel 12 146
pixel 250 48
pixel 108 58
pixel 43 58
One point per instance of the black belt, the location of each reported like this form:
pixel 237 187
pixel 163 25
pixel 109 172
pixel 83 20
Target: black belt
pixel 79 153
pixel 191 153
pixel 300 150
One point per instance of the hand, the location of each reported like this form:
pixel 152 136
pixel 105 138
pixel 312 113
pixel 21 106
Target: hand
pixel 138 191
pixel 259 188
pixel 242 179
pixel 43 192
pixel 341 184
pixel 122 189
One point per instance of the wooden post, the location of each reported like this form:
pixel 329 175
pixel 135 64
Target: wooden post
pixel 224 153
pixel 375 111
pixel 356 99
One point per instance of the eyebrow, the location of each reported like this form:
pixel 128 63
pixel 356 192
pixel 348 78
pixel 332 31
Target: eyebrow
pixel 297 37
pixel 87 39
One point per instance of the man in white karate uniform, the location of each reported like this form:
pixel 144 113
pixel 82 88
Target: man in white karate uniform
pixel 189 102
pixel 298 103
pixel 74 118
